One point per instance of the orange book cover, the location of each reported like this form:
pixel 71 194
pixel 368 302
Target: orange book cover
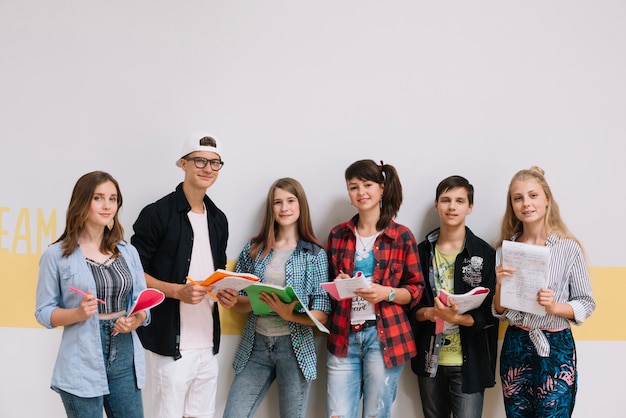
pixel 220 274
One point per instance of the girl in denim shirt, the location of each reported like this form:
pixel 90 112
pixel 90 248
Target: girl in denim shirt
pixel 88 279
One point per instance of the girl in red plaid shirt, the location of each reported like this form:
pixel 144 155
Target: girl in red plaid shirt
pixel 370 336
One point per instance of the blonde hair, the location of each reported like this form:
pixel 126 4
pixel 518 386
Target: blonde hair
pixel 553 223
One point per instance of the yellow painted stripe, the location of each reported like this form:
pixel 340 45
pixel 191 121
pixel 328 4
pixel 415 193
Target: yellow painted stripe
pixel 18 281
pixel 607 283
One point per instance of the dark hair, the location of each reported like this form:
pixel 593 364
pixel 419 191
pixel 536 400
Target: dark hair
pixel 78 212
pixel 267 235
pixel 208 141
pixel 386 175
pixel 454 182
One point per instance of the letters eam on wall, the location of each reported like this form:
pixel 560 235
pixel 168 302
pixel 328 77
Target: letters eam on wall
pixel 20 229
pixel 24 234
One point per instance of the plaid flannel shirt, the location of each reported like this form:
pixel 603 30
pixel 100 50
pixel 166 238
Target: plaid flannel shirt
pixel 397 265
pixel 305 269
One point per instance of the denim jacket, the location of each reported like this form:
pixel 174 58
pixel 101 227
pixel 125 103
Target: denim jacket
pixel 79 367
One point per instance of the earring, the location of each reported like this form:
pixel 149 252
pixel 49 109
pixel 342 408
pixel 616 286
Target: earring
pixel 111 224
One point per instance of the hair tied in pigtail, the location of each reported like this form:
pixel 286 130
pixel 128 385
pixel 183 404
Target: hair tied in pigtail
pixel 381 169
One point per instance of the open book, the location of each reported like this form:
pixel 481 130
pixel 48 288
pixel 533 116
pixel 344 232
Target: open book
pixel 341 289
pixel 230 277
pixel 465 302
pixel 286 294
pixel 224 279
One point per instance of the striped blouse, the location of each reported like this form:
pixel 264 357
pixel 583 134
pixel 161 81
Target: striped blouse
pixel 114 282
pixel 569 279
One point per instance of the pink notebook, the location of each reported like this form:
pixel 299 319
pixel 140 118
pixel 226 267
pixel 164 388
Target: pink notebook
pixel 147 299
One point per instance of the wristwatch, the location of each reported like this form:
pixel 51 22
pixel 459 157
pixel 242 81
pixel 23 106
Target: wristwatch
pixel 392 295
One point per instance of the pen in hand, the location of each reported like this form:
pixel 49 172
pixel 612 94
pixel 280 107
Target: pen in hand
pixel 80 292
pixel 192 281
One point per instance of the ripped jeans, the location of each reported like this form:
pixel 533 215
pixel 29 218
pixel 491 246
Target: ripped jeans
pixel 362 374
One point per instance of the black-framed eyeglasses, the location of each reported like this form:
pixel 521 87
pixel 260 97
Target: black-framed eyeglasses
pixel 201 162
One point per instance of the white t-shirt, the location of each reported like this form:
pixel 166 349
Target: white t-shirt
pixel 196 321
pixel 364 262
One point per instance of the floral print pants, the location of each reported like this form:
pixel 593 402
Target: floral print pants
pixel 535 386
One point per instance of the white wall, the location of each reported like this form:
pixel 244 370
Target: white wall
pixel 302 89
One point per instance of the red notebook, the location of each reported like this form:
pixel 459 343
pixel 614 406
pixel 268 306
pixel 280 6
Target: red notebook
pixel 148 298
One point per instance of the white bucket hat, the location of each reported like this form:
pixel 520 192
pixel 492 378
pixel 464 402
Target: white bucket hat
pixel 194 143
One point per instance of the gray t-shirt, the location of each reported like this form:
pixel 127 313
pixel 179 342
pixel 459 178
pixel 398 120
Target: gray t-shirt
pixel 273 325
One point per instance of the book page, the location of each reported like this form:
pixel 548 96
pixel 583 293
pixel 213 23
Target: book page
pixel 317 323
pixel 220 274
pixel 467 301
pixel 347 287
pixel 231 282
pixel 531 263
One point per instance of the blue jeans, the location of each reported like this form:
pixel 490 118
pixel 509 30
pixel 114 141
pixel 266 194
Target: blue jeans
pixel 124 398
pixel 361 374
pixel 443 394
pixel 272 358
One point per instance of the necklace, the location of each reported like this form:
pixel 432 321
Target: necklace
pixel 366 246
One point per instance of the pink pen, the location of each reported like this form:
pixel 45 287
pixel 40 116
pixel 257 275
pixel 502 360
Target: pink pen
pixel 80 292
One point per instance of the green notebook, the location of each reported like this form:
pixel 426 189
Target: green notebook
pixel 286 294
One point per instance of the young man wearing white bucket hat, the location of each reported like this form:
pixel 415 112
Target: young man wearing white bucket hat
pixel 184 235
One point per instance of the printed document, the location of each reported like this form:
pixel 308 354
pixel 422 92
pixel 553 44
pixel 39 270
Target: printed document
pixel 531 263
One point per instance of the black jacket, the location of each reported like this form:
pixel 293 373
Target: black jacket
pixel 479 342
pixel 164 238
